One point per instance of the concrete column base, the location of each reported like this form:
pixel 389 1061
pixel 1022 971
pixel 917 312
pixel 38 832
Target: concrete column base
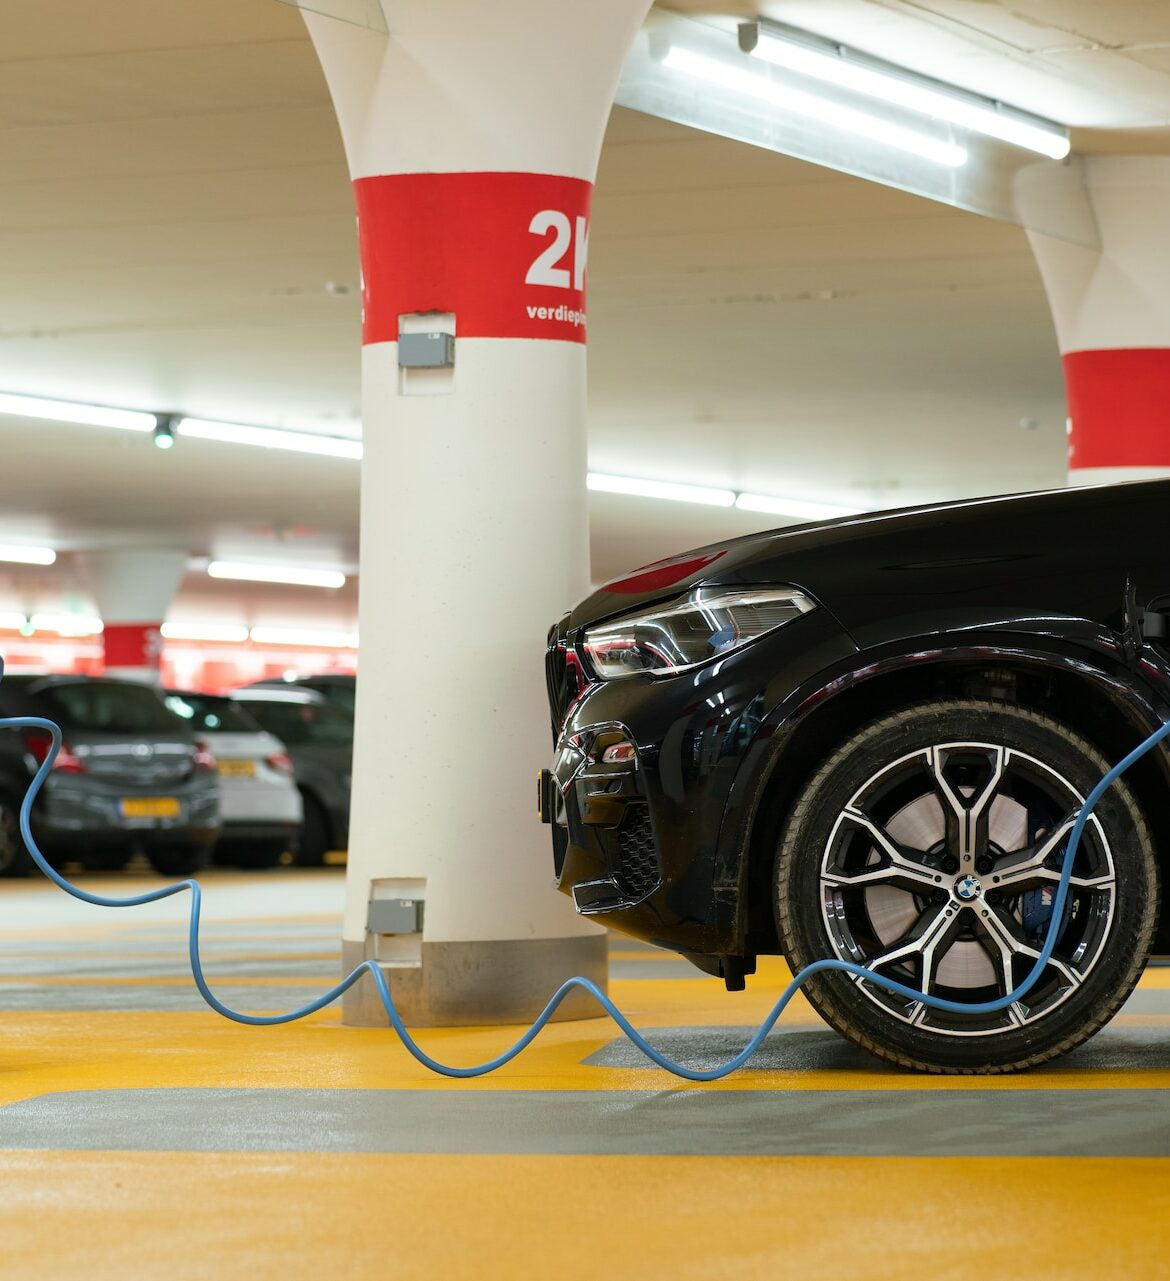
pixel 479 982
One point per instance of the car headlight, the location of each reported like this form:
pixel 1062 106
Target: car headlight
pixel 709 622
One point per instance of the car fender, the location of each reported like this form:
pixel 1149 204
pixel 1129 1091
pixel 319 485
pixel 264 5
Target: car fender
pixel 1096 657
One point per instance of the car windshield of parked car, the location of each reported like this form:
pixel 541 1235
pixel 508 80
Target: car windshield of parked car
pixel 304 724
pixel 109 708
pixel 215 715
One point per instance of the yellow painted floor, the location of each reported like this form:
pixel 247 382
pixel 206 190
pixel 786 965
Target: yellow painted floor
pixel 143 1137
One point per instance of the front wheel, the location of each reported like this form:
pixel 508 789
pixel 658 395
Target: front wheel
pixel 928 849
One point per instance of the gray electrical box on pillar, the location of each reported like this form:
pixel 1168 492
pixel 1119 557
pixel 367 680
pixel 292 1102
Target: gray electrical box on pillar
pixel 433 350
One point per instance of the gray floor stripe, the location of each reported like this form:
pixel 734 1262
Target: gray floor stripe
pixel 172 946
pixel 176 967
pixel 160 998
pixel 795 1049
pixel 935 1122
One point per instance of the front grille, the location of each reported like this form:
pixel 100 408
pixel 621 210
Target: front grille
pixel 565 681
pixel 640 871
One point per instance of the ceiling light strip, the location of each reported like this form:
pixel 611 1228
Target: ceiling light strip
pixel 809 55
pixel 303 638
pixel 293 575
pixel 796 102
pixel 669 490
pixel 299 442
pixel 68 411
pixel 166 427
pixel 19 554
pixel 222 633
pixel 780 506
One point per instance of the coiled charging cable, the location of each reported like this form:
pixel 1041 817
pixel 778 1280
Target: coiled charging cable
pixel 491 1065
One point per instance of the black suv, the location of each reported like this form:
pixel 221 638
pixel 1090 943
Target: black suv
pixel 130 775
pixel 337 688
pixel 867 739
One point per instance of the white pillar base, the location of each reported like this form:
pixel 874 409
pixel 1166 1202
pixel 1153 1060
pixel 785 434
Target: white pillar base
pixel 483 981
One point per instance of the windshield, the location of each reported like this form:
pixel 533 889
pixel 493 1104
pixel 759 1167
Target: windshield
pixel 216 715
pixel 109 708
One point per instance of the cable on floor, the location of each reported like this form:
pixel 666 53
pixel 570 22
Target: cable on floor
pixel 582 984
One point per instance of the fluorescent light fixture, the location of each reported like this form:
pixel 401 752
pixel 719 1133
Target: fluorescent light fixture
pixel 660 489
pixel 797 102
pixel 13 622
pixel 794 507
pixel 300 636
pixel 68 411
pixel 298 576
pixel 67 624
pixel 225 632
pixel 27 555
pixel 299 442
pixel 810 56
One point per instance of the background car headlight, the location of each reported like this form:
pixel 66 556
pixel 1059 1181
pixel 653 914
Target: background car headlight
pixel 672 637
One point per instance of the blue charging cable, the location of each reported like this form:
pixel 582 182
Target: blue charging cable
pixel 585 985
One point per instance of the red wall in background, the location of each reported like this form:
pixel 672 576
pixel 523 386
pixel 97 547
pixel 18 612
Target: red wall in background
pixel 187 665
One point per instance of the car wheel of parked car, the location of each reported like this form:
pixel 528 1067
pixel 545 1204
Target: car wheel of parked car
pixel 928 849
pixel 179 860
pixel 315 835
pixel 15 860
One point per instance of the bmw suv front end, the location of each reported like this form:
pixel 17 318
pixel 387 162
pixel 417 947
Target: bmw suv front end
pixel 655 709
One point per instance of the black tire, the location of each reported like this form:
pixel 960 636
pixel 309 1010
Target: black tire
pixel 868 869
pixel 316 835
pixel 180 860
pixel 254 855
pixel 15 860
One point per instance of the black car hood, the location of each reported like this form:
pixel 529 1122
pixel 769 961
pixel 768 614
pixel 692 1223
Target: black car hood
pixel 1066 552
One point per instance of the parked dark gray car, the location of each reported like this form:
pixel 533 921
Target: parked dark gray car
pixel 319 738
pixel 335 687
pixel 130 775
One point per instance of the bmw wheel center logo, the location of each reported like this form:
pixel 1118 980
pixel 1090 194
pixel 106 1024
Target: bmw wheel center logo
pixel 967 889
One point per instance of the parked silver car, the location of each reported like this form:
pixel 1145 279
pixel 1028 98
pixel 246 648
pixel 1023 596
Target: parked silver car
pixel 319 738
pixel 260 806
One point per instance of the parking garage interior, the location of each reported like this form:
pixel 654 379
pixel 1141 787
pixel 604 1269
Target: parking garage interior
pixel 215 487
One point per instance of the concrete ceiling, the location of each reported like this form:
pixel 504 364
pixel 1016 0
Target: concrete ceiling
pixel 176 233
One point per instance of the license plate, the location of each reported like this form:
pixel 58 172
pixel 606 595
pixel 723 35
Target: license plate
pixel 237 769
pixel 150 807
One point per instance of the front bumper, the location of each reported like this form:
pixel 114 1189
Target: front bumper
pixel 655 844
pixel 85 810
pixel 604 850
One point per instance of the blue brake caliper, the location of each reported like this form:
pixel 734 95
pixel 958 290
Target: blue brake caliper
pixel 1036 904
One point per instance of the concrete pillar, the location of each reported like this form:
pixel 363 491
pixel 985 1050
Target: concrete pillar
pixel 472 132
pixel 133 589
pixel 1111 307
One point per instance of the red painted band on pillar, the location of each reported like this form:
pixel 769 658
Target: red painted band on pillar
pixel 1119 407
pixel 132 644
pixel 505 252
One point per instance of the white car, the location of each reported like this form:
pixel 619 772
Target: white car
pixel 260 807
